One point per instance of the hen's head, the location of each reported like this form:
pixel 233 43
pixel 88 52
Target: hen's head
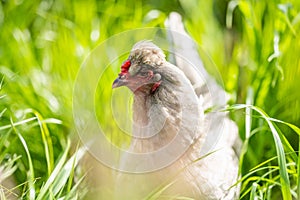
pixel 140 72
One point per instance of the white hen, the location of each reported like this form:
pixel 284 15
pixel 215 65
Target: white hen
pixel 189 152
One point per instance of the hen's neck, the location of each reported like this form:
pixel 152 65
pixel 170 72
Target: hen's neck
pixel 157 118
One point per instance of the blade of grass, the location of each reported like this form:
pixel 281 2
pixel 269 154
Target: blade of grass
pixel 71 176
pixel 248 123
pixel 287 145
pixel 2 195
pixel 74 191
pixel 2 112
pixel 229 14
pixel 253 195
pixel 292 126
pixel 48 120
pixel 157 193
pixel 258 179
pixel 269 192
pixel 17 123
pixel 30 174
pixel 8 168
pixel 47 141
pixel 251 175
pixel 72 173
pixel 3 146
pixel 248 119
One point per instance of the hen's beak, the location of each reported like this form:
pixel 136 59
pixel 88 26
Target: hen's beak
pixel 118 82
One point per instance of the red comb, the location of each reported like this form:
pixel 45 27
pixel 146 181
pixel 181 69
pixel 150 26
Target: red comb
pixel 125 66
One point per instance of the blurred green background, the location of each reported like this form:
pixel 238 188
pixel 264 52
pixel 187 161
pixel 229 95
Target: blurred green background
pixel 254 43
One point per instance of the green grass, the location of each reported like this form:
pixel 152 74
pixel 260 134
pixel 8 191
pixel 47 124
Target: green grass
pixel 255 45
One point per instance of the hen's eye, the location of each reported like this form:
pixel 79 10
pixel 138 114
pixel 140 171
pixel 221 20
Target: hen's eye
pixel 143 73
pixel 122 76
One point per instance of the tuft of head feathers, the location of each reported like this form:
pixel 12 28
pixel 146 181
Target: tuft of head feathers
pixel 145 52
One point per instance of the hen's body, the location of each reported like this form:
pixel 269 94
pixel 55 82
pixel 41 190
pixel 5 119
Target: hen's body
pixel 170 119
pixel 187 153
